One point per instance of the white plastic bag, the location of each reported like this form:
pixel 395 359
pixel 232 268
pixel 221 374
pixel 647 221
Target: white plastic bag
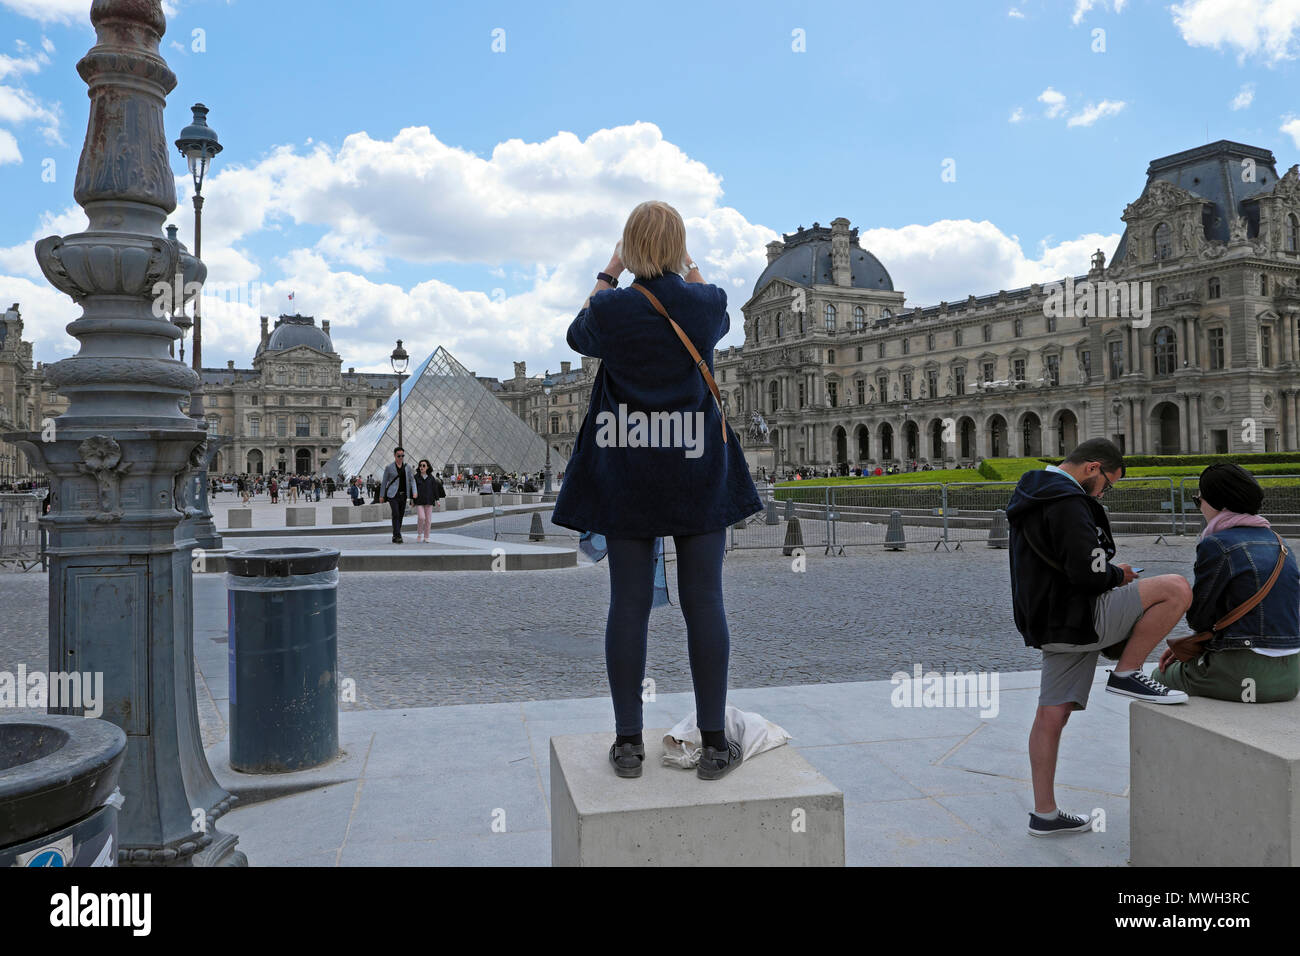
pixel 754 733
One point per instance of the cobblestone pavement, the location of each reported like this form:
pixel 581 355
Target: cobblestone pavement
pixel 412 639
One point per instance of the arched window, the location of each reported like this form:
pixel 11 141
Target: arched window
pixel 1165 346
pixel 1018 328
pixel 773 396
pixel 1292 233
pixel 830 317
pixel 1214 288
pixel 859 318
pixel 1162 295
pixel 886 314
pixel 1164 237
pixel 830 356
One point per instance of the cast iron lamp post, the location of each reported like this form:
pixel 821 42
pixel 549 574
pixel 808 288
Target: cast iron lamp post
pixel 400 360
pixel 547 385
pixel 122 461
pixel 198 144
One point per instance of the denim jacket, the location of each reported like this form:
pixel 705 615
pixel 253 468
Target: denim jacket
pixel 1230 567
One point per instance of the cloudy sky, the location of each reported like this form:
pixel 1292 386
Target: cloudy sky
pixel 455 174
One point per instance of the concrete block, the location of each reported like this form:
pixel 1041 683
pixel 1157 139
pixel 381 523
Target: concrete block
pixel 1214 783
pixel 508 498
pixel 239 518
pixel 299 517
pixel 343 514
pixel 375 512
pixel 775 810
pixel 452 502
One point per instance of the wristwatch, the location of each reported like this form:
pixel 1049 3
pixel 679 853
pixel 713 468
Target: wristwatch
pixel 687 267
pixel 606 277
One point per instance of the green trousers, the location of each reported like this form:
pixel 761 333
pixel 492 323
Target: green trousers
pixel 1223 675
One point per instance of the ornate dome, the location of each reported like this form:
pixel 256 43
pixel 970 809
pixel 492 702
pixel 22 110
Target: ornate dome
pixel 807 261
pixel 294 330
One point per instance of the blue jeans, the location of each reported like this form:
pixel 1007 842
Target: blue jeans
pixel 699 590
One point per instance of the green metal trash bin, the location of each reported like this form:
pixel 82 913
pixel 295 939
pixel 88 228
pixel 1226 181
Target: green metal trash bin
pixel 283 647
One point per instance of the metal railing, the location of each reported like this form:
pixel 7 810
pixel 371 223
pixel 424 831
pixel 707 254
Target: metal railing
pixel 21 537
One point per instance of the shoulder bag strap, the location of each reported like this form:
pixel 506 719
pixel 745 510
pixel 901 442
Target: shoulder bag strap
pixel 700 363
pixel 1244 608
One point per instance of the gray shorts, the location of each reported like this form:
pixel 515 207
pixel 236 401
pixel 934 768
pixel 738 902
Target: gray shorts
pixel 1069 669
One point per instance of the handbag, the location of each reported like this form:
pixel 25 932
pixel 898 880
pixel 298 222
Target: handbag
pixel 702 365
pixel 1190 646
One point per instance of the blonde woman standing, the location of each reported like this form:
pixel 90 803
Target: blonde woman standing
pixel 655 457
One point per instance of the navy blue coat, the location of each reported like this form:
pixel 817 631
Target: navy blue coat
pixel 615 489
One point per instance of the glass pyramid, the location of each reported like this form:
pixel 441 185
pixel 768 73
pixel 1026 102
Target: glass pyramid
pixel 450 418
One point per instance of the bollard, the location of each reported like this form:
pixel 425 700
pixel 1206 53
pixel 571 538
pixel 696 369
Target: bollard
pixel 283 646
pixel 771 512
pixel 793 537
pixel 894 539
pixel 536 532
pixel 999 532
pixel 789 509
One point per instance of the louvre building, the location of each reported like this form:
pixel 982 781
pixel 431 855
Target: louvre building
pixel 838 371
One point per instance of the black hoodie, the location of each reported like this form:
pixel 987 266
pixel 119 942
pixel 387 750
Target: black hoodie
pixel 1055 606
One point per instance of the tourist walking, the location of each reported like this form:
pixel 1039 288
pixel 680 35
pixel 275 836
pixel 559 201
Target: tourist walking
pixel 1243 651
pixel 635 494
pixel 274 488
pixel 356 492
pixel 428 489
pixel 395 487
pixel 1070 602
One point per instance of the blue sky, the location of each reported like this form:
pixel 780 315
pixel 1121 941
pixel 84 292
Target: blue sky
pixel 404 179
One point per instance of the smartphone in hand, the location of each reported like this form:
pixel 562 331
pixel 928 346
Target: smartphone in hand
pixel 1137 570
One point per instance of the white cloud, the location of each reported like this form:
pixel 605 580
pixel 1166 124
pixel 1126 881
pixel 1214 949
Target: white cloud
pixel 1016 115
pixel 9 152
pixel 19 106
pixel 1082 7
pixel 1245 96
pixel 1054 101
pixel 1268 29
pixel 17 65
pixel 951 259
pixel 545 214
pixel 1016 14
pixel 1091 113
pixel 1291 126
pixel 51 11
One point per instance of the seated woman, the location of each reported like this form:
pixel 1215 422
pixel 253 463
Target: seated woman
pixel 1257 658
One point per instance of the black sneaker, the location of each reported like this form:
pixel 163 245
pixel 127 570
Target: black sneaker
pixel 715 764
pixel 1062 823
pixel 1141 687
pixel 627 759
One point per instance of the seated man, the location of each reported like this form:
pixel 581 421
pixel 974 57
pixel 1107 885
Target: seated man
pixel 1256 658
pixel 1072 603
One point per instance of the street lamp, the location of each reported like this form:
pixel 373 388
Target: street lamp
pixel 400 360
pixel 1116 408
pixel 198 144
pixel 547 385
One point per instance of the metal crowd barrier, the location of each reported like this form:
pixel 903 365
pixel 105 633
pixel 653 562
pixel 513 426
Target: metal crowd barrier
pixel 21 538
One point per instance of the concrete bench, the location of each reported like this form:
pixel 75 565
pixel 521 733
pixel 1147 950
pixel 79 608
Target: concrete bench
pixel 299 517
pixel 239 518
pixel 775 810
pixel 343 514
pixel 375 512
pixel 508 498
pixel 452 503
pixel 1214 783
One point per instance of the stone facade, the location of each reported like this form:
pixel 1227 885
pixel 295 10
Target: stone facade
pixel 844 374
pixel 25 400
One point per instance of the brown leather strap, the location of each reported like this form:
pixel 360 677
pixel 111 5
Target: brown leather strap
pixel 700 363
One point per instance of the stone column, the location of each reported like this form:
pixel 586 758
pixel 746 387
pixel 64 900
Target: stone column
pixel 1142 421
pixel 123 456
pixel 1284 421
pixel 1186 352
pixel 1194 423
